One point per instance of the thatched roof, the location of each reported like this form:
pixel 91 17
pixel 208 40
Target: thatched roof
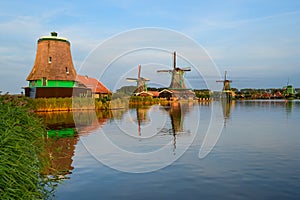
pixel 53 60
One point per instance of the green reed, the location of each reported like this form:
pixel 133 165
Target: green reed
pixel 69 104
pixel 21 142
pixel 147 100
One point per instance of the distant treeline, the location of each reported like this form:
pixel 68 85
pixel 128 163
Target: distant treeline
pixel 245 93
pixel 127 91
pixel 269 93
pixel 249 93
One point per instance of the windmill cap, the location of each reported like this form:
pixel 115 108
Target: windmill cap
pixel 54 36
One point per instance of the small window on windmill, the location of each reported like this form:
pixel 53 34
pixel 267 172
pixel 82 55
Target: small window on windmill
pixel 50 59
pixel 67 70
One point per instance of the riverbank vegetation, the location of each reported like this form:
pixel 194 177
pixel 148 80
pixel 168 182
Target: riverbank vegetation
pixel 57 104
pixel 21 143
pixel 249 93
pixel 270 93
pixel 69 104
pixel 138 100
pixel 202 94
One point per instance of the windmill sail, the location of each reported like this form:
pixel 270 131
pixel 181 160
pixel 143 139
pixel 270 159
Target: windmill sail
pixel 177 84
pixel 141 82
pixel 226 87
pixel 177 81
pixel 186 69
pixel 131 79
pixel 226 83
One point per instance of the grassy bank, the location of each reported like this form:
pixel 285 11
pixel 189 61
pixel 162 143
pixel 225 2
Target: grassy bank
pixel 21 142
pixel 69 104
pixel 137 100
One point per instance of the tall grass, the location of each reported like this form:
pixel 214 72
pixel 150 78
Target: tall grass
pixel 52 104
pixel 69 104
pixel 147 100
pixel 21 142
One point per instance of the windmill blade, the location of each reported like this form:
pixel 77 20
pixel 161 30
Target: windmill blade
pixel 225 77
pixel 164 70
pixel 174 61
pixel 132 79
pixel 139 71
pixel 145 79
pixel 186 69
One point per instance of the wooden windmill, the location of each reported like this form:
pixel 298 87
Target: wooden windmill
pixel 141 82
pixel 177 81
pixel 53 73
pixel 226 85
pixel 289 91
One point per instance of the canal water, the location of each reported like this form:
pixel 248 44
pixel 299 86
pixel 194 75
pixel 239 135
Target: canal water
pixel 218 150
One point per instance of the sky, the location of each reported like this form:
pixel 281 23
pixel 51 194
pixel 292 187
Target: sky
pixel 257 42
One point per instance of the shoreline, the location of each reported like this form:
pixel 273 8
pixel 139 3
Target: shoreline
pixel 49 105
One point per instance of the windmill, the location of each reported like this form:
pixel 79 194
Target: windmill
pixel 289 91
pixel 141 82
pixel 226 85
pixel 177 81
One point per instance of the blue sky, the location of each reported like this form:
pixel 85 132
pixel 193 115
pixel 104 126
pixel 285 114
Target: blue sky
pixel 257 42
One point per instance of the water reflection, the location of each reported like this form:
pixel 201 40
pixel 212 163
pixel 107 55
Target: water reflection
pixel 289 106
pixel 144 138
pixel 60 144
pixel 249 156
pixel 59 153
pixel 226 107
pixel 89 121
pixel 177 112
pixel 63 136
pixel 142 117
pixel 57 120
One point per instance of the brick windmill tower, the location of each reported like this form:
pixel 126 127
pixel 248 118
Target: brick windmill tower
pixel 53 73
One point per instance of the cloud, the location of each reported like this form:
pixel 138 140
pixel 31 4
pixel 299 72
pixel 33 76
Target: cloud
pixel 114 57
pixel 243 36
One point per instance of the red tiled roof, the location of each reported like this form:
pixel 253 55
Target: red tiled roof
pixel 154 93
pixel 166 90
pixel 144 93
pixel 92 83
